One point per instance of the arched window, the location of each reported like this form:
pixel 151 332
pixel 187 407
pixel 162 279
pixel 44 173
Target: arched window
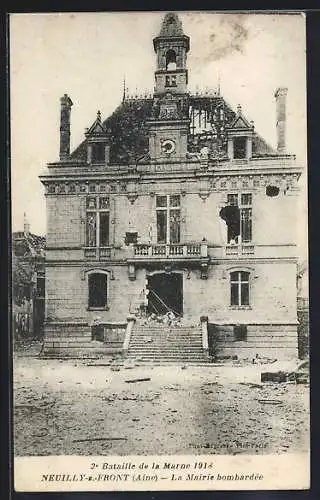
pixel 171 60
pixel 239 288
pixel 97 290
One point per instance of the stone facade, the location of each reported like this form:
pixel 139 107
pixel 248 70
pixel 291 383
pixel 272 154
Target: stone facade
pixel 188 189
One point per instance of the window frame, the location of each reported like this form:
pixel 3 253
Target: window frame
pixel 245 208
pixel 167 211
pixel 107 277
pixel 236 147
pixel 171 81
pixel 239 281
pixel 171 58
pixel 98 152
pixel 97 211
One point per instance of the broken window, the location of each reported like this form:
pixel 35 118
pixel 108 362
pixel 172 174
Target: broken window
pixel 239 147
pixel 239 287
pixel 97 221
pixel 240 332
pixel 97 297
pixel 98 152
pixel 168 219
pixel 238 217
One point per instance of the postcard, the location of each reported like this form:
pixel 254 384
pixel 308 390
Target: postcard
pixel 159 251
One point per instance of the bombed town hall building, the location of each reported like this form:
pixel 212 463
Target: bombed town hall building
pixel 171 229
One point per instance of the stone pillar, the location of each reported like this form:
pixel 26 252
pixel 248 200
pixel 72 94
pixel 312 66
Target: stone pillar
pixel 65 111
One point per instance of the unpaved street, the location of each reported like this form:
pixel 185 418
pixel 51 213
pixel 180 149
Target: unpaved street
pixel 69 408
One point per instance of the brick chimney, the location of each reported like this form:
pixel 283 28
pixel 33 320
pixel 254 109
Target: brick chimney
pixel 65 110
pixel 281 98
pixel 26 225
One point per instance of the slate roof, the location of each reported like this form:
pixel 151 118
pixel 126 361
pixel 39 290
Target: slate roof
pixel 129 135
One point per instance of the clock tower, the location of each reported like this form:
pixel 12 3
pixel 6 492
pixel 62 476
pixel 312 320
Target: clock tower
pixel 169 122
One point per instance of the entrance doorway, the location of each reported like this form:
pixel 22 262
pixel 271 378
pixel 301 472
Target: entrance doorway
pixel 165 293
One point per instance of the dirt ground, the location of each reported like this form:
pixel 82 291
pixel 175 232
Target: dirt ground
pixel 70 408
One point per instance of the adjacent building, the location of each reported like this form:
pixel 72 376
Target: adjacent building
pixel 28 290
pixel 173 203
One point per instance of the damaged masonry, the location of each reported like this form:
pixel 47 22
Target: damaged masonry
pixel 172 227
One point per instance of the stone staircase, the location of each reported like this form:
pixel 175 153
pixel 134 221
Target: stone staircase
pixel 161 343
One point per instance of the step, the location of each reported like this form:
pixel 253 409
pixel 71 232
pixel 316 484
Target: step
pixel 166 349
pixel 168 343
pixel 165 337
pixel 158 358
pixel 168 353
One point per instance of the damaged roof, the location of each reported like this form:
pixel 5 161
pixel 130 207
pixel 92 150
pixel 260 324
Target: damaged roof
pixel 26 244
pixel 128 132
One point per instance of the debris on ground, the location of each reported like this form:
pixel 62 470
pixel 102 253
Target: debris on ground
pixel 279 376
pixel 270 401
pixel 129 364
pixel 116 365
pixel 300 375
pixel 115 368
pixel 253 386
pixel 168 319
pixel 149 397
pixel 134 380
pixel 213 422
pixel 85 440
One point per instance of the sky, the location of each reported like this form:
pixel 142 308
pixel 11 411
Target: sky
pixel 88 55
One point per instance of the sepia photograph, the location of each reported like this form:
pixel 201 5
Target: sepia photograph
pixel 159 250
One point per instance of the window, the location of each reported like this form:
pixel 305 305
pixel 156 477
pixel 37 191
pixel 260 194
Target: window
pixel 98 293
pixel 239 147
pixel 244 217
pixel 97 218
pixel 240 332
pixel 171 60
pixel 168 219
pixel 131 238
pixel 98 152
pixel 239 285
pixel 171 81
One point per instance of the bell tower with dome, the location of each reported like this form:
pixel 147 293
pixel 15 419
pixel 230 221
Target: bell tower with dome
pixel 169 123
pixel 171 47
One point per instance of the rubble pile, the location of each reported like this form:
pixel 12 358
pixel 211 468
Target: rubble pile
pixel 168 319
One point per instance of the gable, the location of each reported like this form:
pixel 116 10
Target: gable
pixel 240 122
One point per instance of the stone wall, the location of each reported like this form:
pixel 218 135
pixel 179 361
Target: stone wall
pixel 263 340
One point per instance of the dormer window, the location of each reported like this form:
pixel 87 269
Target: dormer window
pixel 239 147
pixel 239 137
pixel 98 142
pixel 98 152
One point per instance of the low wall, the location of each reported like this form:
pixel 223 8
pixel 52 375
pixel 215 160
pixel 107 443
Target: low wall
pixel 271 341
pixel 81 340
